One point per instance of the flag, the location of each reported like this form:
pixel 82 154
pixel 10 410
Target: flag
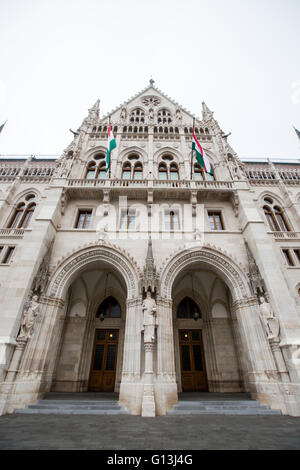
pixel 111 144
pixel 297 132
pixel 201 156
pixel 1 127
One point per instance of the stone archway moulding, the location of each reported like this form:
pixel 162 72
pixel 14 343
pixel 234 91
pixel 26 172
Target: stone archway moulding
pixel 218 261
pixel 83 257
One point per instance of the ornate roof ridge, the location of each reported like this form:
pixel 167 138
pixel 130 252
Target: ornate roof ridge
pixel 159 91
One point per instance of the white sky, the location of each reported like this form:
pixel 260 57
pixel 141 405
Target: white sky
pixel 241 57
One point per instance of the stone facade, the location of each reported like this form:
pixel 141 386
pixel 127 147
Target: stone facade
pixel 73 236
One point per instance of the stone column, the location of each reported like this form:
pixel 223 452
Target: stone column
pixel 165 386
pixel 148 403
pixel 131 387
pixel 262 379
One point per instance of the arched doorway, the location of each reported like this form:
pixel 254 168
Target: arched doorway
pixel 105 351
pixel 206 357
pixel 90 357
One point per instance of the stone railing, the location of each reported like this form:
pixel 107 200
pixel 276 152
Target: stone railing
pixel 165 184
pixel 286 235
pixel 12 232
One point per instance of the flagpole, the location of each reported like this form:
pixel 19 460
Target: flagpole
pixel 110 152
pixel 192 151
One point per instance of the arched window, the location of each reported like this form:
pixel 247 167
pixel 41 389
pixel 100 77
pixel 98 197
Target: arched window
pixel 275 216
pixel 126 172
pixel 23 213
pixel 96 167
pixel 174 175
pixel 188 309
pixel 101 171
pixel 162 171
pixel 138 171
pixel 90 171
pixel 109 308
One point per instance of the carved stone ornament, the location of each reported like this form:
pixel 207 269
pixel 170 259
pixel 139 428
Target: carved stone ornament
pixel 31 311
pixel 41 279
pixel 256 281
pixel 151 100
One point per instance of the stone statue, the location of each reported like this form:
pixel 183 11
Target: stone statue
pixel 149 322
pixel 123 113
pixel 178 115
pixel 30 313
pixel 270 322
pixel 151 113
pixel 235 173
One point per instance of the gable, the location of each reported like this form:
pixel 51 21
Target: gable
pixel 153 107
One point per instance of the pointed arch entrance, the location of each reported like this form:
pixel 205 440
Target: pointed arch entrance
pixel 90 353
pixel 236 352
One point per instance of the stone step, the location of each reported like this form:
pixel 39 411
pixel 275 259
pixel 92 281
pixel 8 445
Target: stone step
pixel 239 407
pixel 188 404
pixel 73 407
pixel 64 411
pixel 248 412
pixel 60 404
pixel 76 403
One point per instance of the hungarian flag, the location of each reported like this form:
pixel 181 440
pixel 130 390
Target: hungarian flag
pixel 111 144
pixel 297 132
pixel 201 156
pixel 1 127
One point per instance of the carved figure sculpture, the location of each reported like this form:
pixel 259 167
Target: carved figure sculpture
pixel 123 113
pixel 30 314
pixel 270 322
pixel 149 321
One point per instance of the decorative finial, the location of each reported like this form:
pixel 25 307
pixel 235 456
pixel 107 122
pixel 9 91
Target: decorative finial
pixel 151 81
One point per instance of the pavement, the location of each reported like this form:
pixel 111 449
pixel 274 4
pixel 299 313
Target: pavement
pixel 126 432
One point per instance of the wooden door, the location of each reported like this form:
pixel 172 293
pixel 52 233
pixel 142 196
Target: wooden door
pixel 193 372
pixel 104 360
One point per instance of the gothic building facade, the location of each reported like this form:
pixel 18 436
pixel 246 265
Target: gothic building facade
pixel 154 278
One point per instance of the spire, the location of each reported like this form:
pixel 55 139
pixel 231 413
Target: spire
pixel 94 111
pixel 149 280
pixel 206 112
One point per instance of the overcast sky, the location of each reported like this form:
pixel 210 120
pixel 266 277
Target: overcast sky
pixel 241 57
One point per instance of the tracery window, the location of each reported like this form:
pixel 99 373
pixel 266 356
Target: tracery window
pixel 96 167
pixel 132 168
pixel 109 308
pixel 164 116
pixel 137 115
pixel 275 216
pixel 188 309
pixel 23 213
pixel 168 170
